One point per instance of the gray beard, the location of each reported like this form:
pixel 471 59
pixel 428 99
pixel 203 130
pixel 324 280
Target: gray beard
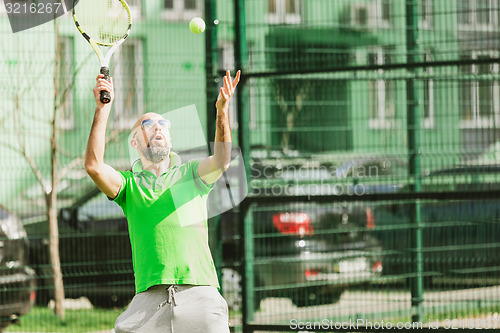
pixel 155 154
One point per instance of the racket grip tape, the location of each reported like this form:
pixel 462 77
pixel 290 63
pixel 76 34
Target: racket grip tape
pixel 105 95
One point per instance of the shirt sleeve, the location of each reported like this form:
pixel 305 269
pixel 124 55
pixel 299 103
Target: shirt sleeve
pixel 121 196
pixel 203 187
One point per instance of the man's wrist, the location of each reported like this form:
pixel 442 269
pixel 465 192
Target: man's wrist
pixel 102 108
pixel 223 110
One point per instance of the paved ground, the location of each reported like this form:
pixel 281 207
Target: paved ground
pixel 379 305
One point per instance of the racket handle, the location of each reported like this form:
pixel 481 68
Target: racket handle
pixel 105 95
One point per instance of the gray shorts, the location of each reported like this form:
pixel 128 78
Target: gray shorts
pixel 176 308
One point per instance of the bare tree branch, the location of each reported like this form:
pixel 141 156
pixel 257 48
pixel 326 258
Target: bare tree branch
pixel 22 147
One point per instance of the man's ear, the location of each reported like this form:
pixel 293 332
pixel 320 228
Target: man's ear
pixel 133 143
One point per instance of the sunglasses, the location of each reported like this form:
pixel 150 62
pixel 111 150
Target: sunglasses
pixel 149 123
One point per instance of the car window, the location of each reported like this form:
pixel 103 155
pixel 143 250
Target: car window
pixel 99 207
pixel 3 214
pixel 372 169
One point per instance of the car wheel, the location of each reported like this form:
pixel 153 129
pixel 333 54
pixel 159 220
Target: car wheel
pixel 316 296
pixel 231 288
pixel 42 297
pixel 44 285
pixel 108 301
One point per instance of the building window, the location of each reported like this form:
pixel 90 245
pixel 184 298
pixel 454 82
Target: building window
pixel 127 71
pixel 479 99
pixel 182 10
pixel 426 14
pixel 382 92
pixel 284 11
pixel 190 4
pixel 477 13
pixel 385 11
pixel 65 82
pixel 368 15
pixel 428 90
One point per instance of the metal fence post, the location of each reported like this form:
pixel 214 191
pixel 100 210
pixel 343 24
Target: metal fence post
pixel 245 216
pixel 211 73
pixel 413 121
pixel 240 60
pixel 212 82
pixel 247 276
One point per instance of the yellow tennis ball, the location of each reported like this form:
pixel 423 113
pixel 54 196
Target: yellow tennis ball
pixel 197 25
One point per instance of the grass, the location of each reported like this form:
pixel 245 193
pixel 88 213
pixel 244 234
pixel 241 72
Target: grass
pixel 43 319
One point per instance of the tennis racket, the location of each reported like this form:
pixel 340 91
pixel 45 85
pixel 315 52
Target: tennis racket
pixel 103 23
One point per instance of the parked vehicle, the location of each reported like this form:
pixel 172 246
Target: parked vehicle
pixel 17 279
pixel 459 237
pixel 95 253
pixel 307 252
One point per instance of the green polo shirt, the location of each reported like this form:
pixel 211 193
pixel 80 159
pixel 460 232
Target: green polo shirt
pixel 167 219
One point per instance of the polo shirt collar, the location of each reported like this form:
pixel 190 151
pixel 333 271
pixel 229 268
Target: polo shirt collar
pixel 175 160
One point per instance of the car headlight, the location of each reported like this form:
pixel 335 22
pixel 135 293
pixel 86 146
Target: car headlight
pixel 12 227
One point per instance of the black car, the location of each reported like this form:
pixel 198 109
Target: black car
pixel 17 279
pixel 307 252
pixel 95 253
pixel 459 236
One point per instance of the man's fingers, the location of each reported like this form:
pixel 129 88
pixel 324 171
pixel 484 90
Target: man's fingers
pixel 236 79
pixel 224 94
pixel 228 77
pixel 104 86
pixel 100 80
pixel 229 85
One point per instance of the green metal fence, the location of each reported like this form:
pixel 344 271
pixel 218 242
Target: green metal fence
pixel 370 132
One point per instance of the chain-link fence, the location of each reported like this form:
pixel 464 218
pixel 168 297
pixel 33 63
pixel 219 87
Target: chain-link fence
pixel 369 131
pixel 373 133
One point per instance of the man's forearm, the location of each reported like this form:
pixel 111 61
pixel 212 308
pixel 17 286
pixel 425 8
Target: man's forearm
pixel 223 138
pixel 94 157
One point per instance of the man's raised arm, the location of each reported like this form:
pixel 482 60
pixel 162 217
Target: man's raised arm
pixel 211 168
pixel 106 177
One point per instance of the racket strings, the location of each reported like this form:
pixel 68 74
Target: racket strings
pixel 106 22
